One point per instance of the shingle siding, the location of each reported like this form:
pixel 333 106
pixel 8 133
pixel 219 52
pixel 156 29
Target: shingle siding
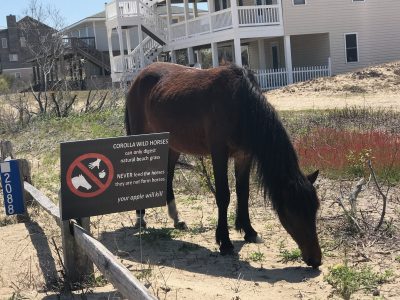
pixel 376 22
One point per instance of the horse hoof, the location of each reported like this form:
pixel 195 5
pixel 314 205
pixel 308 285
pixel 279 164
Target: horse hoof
pixel 254 239
pixel 139 225
pixel 227 250
pixel 181 225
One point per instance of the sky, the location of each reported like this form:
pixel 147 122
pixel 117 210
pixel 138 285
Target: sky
pixel 71 10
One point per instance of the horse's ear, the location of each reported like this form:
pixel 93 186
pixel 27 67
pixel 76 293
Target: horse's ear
pixel 313 176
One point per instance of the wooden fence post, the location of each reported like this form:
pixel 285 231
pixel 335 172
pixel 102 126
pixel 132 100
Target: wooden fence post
pixel 78 266
pixel 6 150
pixel 24 171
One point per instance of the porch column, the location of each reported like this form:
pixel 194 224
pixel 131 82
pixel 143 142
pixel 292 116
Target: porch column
pixel 140 35
pixel 198 57
pixel 211 6
pixel 190 55
pixel 235 14
pixel 186 12
pixel 214 53
pixel 128 40
pixel 288 58
pixel 121 45
pixel 261 55
pixel 110 49
pixel 169 17
pixel 173 56
pixel 238 51
pixel 195 12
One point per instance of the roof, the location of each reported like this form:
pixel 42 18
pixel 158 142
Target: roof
pixel 96 17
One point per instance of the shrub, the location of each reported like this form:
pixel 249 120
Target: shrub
pixel 347 280
pixel 5 83
pixel 345 152
pixel 293 255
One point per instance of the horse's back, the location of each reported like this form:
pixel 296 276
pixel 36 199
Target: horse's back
pixel 195 106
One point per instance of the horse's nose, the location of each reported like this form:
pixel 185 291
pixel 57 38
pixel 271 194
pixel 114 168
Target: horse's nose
pixel 313 262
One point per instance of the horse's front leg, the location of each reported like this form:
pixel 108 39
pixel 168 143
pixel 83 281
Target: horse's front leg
pixel 172 210
pixel 242 176
pixel 220 166
pixel 140 221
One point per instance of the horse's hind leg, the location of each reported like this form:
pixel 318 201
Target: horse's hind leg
pixel 242 175
pixel 172 210
pixel 220 166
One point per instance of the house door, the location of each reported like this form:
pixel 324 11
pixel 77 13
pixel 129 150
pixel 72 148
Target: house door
pixel 275 56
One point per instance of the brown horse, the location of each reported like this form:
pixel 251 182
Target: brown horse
pixel 222 112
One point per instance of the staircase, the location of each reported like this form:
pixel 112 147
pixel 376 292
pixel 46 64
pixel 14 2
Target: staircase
pixel 155 31
pixel 86 50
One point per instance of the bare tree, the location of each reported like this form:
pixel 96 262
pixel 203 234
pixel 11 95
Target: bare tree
pixel 40 28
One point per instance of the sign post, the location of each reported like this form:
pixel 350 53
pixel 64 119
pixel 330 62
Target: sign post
pixel 113 175
pixel 13 189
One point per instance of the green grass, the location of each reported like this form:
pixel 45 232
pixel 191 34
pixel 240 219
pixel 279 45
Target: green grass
pixel 293 255
pixel 257 256
pixel 347 280
pixel 397 259
pixel 39 141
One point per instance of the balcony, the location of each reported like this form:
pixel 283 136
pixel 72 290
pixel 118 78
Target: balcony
pixel 251 21
pixel 246 16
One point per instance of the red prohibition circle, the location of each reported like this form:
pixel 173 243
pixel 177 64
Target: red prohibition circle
pixel 77 163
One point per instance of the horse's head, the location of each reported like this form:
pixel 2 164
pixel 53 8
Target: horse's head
pixel 83 182
pixel 298 217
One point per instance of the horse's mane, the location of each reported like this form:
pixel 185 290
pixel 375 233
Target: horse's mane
pixel 263 134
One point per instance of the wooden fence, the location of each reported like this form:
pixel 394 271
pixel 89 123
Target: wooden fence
pixel 80 249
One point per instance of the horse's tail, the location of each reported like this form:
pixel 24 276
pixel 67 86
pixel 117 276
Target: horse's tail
pixel 264 137
pixel 136 99
pixel 127 125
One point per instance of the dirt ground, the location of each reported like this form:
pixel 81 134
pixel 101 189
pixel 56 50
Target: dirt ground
pixel 187 265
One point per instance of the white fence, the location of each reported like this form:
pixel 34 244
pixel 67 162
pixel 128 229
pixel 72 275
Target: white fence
pixel 275 78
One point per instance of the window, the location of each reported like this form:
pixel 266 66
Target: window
pixel 351 40
pixel 22 41
pixel 13 57
pixel 4 42
pixel 299 2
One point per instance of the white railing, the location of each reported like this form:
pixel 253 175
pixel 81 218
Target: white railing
pixel 139 9
pixel 275 78
pixel 128 8
pixel 154 21
pixel 221 19
pixel 111 11
pixel 198 25
pixel 259 15
pixel 308 73
pixel 127 63
pixel 178 31
pixel 132 62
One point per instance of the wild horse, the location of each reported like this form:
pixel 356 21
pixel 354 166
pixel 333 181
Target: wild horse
pixel 222 112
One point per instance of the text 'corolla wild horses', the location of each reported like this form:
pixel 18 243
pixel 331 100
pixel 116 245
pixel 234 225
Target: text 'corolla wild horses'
pixel 221 112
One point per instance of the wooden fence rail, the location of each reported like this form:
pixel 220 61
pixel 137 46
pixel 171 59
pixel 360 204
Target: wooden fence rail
pixel 80 249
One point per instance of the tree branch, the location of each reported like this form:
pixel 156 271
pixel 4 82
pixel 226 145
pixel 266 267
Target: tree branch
pixel 384 197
